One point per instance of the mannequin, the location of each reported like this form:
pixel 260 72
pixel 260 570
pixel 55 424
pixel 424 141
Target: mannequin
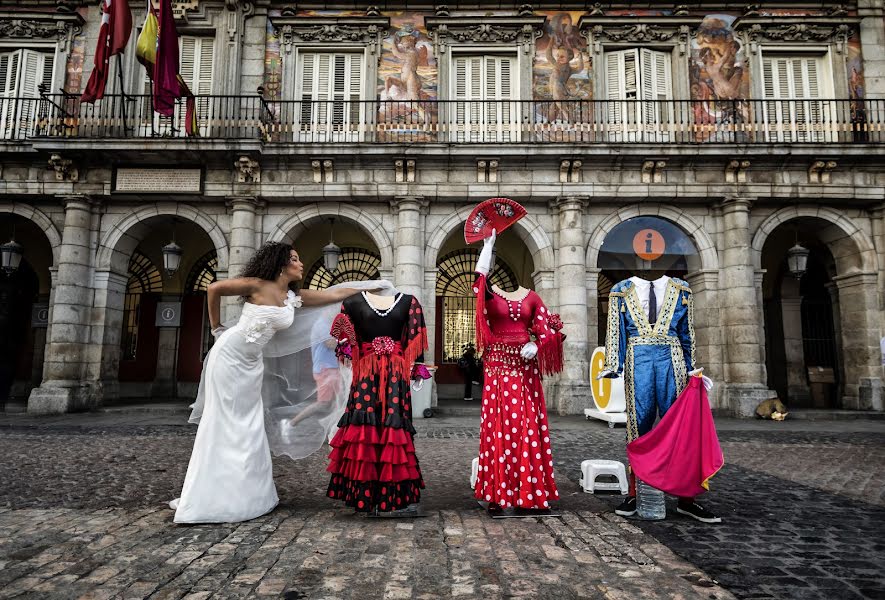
pixel 520 342
pixel 651 343
pixel 373 464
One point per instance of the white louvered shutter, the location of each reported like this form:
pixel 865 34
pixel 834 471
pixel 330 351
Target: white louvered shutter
pixel 485 94
pixel 331 93
pixel 638 86
pixel 197 69
pixel 9 62
pixel 793 89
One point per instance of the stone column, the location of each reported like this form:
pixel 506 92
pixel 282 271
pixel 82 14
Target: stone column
pixel 708 332
pixel 794 351
pixel 872 39
pixel 745 377
pixel 242 244
pixel 573 392
pixel 860 341
pixel 67 384
pixel 409 246
pixel 878 226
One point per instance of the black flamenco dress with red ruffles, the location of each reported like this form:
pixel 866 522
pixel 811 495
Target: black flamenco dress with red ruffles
pixel 373 462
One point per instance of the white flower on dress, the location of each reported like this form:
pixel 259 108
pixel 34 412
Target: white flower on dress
pixel 293 300
pixel 255 329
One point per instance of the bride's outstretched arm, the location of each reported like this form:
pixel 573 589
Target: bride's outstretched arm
pixel 239 286
pixel 319 297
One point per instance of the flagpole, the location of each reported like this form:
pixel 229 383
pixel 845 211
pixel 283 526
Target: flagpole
pixel 123 93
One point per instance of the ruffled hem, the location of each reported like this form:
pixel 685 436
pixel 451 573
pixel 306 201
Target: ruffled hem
pixel 363 454
pixel 366 496
pixel 394 421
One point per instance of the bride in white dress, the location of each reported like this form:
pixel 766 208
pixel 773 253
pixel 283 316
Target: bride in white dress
pixel 230 475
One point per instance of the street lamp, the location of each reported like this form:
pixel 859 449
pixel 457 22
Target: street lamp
pixel 331 252
pixel 12 255
pixel 797 260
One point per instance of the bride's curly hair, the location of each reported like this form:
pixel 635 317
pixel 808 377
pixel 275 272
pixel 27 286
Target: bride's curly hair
pixel 268 262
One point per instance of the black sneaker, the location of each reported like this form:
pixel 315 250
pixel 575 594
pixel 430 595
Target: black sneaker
pixel 627 507
pixel 696 511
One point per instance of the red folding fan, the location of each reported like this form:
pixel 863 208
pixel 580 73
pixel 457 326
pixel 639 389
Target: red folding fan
pixel 494 213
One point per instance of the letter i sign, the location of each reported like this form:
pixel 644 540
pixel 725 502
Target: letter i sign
pixel 649 244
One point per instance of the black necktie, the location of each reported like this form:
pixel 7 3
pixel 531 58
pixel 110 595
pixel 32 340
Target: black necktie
pixel 652 305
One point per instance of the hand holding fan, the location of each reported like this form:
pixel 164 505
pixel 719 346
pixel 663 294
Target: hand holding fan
pixel 494 213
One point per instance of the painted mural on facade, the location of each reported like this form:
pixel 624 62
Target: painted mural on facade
pixel 718 76
pixel 407 82
pixel 74 67
pixel 561 73
pixel 856 89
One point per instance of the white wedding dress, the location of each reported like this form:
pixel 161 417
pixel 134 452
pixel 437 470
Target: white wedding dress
pixel 230 474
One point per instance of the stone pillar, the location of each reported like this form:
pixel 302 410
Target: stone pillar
pixel 708 332
pixel 242 245
pixel 67 383
pixel 409 246
pixel 164 385
pixel 745 378
pixel 872 39
pixel 860 341
pixel 573 393
pixel 878 226
pixel 794 351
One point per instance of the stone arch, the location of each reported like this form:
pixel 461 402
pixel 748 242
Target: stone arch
pixel 41 220
pixel 859 243
pixel 706 248
pixel 118 243
pixel 289 229
pixel 529 230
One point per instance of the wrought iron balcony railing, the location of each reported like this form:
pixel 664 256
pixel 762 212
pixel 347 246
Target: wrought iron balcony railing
pixel 454 121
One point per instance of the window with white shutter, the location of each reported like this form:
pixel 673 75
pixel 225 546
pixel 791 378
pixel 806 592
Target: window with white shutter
pixel 638 93
pixel 21 74
pixel 197 66
pixel 485 107
pixel 330 93
pixel 795 88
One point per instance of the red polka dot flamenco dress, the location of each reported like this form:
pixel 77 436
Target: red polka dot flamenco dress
pixel 515 459
pixel 373 462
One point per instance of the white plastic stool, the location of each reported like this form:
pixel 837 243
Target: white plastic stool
pixel 474 472
pixel 591 469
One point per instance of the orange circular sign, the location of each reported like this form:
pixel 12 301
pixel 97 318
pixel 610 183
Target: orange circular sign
pixel 649 244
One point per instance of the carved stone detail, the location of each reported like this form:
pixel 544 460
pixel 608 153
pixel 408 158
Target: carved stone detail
pixel 323 170
pixel 828 30
pixel 653 171
pixel 248 170
pixel 523 30
pixel 736 171
pixel 61 27
pixel 63 167
pixel 819 171
pixel 366 30
pixel 570 171
pixel 405 170
pixel 487 170
pixel 639 32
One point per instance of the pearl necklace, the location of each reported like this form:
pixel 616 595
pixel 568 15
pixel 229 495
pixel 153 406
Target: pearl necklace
pixel 382 313
pixel 514 315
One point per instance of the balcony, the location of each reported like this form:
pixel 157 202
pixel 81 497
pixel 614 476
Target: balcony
pixel 254 118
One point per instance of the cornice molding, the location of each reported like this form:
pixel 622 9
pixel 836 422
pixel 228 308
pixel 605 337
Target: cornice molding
pixel 365 30
pixel 779 30
pixel 61 27
pixel 629 30
pixel 521 31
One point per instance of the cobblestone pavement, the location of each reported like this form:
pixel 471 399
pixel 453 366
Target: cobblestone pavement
pixel 84 516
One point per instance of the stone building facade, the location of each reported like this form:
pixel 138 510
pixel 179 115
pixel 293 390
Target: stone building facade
pixel 731 133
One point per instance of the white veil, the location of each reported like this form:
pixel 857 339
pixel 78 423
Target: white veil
pixel 295 360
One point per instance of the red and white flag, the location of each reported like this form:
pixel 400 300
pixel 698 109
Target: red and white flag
pixel 113 35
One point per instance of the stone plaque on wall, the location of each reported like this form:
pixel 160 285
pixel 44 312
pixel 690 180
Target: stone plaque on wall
pixel 158 180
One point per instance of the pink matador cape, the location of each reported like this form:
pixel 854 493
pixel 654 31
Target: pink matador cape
pixel 682 453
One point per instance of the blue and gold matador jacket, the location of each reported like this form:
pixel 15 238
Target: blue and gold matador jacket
pixel 628 327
